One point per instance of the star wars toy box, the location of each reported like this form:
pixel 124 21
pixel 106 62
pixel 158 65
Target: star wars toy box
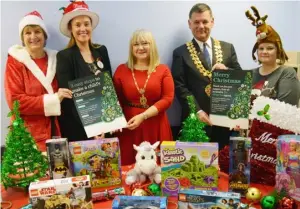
pixel 188 165
pixel 204 199
pixel 73 192
pixel 127 202
pixel 100 159
pixel 58 158
pixel 288 165
pixel 239 164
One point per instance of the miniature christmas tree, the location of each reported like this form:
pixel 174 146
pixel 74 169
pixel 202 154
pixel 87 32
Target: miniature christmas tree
pixel 240 106
pixel 193 128
pixel 22 163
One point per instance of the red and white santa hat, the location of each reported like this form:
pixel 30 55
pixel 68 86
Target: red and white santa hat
pixel 33 18
pixel 74 9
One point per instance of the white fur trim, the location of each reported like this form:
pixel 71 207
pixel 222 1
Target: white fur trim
pixel 32 20
pixel 282 115
pixel 21 54
pixel 51 105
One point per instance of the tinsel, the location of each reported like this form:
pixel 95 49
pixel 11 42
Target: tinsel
pixel 22 163
pixel 193 128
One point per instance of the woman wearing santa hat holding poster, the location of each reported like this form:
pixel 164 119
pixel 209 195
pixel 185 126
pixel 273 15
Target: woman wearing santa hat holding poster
pixel 30 79
pixel 81 58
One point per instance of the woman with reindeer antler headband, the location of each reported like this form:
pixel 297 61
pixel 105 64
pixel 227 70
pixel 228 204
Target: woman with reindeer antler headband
pixel 272 79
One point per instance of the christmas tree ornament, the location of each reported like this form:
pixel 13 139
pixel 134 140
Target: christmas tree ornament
pixel 193 128
pixel 154 189
pixel 22 163
pixel 139 192
pixel 287 203
pixel 268 202
pixel 253 194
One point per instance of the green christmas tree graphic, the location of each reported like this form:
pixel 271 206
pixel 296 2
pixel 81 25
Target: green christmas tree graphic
pixel 193 128
pixel 110 104
pixel 240 106
pixel 22 163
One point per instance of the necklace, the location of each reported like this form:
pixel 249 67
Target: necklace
pixel 143 99
pixel 199 65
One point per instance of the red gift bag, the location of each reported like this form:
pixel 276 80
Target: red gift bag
pixel 271 118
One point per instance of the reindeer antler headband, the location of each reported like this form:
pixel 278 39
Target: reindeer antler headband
pixel 265 33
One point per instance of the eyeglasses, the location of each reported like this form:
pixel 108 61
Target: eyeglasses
pixel 143 44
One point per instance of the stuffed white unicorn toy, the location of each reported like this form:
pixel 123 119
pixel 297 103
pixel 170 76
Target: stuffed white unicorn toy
pixel 145 165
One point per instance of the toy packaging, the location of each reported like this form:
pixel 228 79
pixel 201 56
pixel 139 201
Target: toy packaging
pixel 98 158
pixel 239 164
pixel 58 158
pixel 128 202
pixel 196 199
pixel 288 165
pixel 74 192
pixel 188 165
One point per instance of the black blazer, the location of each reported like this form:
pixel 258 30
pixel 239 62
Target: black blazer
pixel 71 66
pixel 189 81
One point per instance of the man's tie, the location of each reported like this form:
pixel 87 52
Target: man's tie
pixel 206 56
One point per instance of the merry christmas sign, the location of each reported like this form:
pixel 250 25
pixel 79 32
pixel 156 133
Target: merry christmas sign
pixel 97 104
pixel 230 98
pixel 271 118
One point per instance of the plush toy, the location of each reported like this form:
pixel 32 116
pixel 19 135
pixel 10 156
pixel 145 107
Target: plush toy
pixel 145 165
pixel 265 33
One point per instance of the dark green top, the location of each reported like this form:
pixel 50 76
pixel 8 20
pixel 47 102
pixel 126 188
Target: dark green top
pixel 282 84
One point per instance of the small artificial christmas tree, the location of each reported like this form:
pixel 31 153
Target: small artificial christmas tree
pixel 192 127
pixel 22 163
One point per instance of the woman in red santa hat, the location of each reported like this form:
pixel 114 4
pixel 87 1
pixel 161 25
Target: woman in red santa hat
pixel 81 58
pixel 30 79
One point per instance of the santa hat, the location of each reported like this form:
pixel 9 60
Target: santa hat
pixel 33 18
pixel 265 34
pixel 74 9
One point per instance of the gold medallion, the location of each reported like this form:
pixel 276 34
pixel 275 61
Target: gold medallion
pixel 143 100
pixel 207 73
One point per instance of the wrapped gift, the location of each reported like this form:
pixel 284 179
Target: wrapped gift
pixel 270 118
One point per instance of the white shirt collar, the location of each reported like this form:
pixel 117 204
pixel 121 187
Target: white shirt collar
pixel 208 43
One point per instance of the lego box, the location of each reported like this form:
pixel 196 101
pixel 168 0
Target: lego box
pixel 74 192
pixel 58 158
pixel 192 199
pixel 188 165
pixel 288 165
pixel 98 158
pixel 239 164
pixel 124 202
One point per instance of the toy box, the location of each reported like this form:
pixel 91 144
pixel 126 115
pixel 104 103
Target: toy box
pixel 98 158
pixel 127 202
pixel 288 165
pixel 188 165
pixel 58 158
pixel 192 199
pixel 74 192
pixel 239 164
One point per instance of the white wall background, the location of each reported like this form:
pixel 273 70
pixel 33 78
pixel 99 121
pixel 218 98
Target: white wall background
pixel 166 19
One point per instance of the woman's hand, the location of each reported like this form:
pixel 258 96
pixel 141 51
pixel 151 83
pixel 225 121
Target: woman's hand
pixel 135 122
pixel 64 93
pixel 204 117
